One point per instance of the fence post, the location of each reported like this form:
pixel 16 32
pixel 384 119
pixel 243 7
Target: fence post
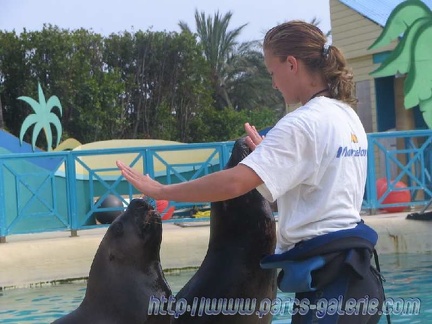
pixel 148 166
pixel 371 176
pixel 72 194
pixel 3 230
pixel 225 154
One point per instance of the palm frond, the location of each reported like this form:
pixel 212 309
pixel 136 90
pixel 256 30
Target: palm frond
pixel 399 60
pixel 184 27
pixel 42 101
pixel 28 122
pixel 426 109
pixel 399 20
pixel 33 103
pixel 418 84
pixel 36 131
pixel 53 119
pixel 52 102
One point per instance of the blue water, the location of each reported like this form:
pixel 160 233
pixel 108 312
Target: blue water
pixel 407 276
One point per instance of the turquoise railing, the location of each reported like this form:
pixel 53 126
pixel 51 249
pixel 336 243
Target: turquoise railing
pixel 66 197
pixel 399 157
pixel 67 194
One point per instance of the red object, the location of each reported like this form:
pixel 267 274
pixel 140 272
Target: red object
pixel 399 196
pixel 163 209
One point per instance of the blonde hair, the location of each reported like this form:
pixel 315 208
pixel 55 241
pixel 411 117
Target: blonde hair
pixel 307 43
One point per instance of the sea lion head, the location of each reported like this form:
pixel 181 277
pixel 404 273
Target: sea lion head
pixel 249 206
pixel 134 238
pixel 239 152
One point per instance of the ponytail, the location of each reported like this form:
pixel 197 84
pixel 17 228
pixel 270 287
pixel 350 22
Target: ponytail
pixel 338 76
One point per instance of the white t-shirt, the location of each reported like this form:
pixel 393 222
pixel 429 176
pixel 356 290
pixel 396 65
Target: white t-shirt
pixel 314 163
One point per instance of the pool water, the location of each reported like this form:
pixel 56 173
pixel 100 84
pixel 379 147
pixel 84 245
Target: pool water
pixel 407 276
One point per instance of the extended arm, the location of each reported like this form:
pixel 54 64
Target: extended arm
pixel 218 186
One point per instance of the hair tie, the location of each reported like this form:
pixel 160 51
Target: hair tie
pixel 325 50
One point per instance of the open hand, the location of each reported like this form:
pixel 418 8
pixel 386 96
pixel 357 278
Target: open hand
pixel 141 182
pixel 253 138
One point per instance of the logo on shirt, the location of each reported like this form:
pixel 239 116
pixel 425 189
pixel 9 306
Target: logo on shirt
pixel 345 151
pixel 348 152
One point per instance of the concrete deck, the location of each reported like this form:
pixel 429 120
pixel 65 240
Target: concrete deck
pixel 35 259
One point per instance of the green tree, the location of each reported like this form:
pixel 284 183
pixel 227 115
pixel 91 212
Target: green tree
pixel 218 45
pixel 164 82
pixel 14 75
pixel 42 118
pixel 224 125
pixel 94 92
pixel 190 89
pixel 1 116
pixel 167 93
pixel 127 85
pixel 238 75
pixel 249 82
pixel 413 20
pixel 70 64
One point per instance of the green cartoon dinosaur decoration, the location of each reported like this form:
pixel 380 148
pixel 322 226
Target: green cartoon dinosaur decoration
pixel 412 56
pixel 42 118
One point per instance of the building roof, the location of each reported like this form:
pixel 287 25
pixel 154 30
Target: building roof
pixel 376 10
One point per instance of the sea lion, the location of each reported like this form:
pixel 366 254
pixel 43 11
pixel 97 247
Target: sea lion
pixel 242 231
pixel 125 272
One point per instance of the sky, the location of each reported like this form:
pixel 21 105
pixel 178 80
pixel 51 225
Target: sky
pixel 114 16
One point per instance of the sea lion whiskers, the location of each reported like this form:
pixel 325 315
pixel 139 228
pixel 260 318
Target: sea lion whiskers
pixel 150 217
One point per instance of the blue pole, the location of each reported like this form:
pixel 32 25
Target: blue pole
pixel 3 230
pixel 370 183
pixel 72 194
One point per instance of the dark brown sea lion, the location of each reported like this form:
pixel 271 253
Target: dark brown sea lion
pixel 125 272
pixel 242 231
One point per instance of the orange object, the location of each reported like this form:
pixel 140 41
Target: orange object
pixel 399 196
pixel 163 209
